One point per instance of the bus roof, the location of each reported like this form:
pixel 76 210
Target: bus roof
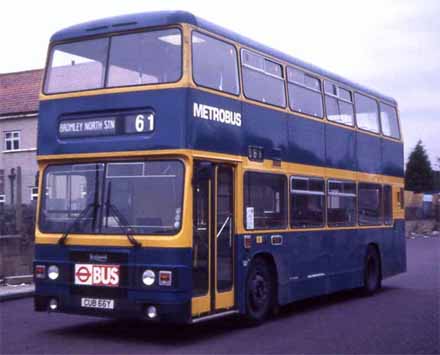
pixel 164 18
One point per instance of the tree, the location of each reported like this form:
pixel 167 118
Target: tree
pixel 418 174
pixel 436 173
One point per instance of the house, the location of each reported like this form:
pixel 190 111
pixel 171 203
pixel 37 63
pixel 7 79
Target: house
pixel 18 133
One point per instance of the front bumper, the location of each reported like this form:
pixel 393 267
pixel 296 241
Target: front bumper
pixel 123 309
pixel 131 298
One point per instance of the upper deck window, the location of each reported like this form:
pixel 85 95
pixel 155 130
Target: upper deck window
pixel 366 113
pixel 388 118
pixel 263 80
pixel 339 104
pixel 145 58
pixel 304 93
pixel 214 63
pixel 77 66
pixel 152 57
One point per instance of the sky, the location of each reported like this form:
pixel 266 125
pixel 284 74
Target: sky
pixel 391 46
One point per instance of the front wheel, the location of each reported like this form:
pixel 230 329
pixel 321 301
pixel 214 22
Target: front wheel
pixel 260 291
pixel 372 272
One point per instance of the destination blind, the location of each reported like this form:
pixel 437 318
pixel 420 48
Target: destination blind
pixel 142 122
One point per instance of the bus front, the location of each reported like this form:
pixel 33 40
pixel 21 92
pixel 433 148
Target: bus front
pixel 113 234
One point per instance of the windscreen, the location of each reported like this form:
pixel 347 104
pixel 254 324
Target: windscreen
pixel 144 197
pixel 142 58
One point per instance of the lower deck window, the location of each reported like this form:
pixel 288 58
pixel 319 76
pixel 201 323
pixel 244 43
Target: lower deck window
pixel 307 200
pixel 341 203
pixel 387 204
pixel 370 211
pixel 264 198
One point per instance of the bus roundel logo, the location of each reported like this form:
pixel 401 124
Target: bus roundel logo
pixel 83 274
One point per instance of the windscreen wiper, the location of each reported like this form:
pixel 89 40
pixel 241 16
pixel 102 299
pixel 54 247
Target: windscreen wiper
pixel 83 214
pixel 120 218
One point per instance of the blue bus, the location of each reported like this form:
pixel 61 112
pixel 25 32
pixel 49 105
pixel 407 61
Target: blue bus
pixel 189 173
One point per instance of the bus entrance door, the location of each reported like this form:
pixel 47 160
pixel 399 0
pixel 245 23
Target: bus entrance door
pixel 213 228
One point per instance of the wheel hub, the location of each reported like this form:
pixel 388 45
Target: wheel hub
pixel 258 290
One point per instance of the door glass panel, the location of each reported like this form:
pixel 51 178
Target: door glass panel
pixel 201 238
pixel 224 228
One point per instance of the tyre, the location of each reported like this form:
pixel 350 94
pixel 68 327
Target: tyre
pixel 372 272
pixel 260 291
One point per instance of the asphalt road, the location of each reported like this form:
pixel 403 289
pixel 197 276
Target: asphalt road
pixel 404 318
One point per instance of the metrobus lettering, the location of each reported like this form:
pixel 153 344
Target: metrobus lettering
pixel 216 114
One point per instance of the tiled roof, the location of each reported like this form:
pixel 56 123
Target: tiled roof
pixel 19 92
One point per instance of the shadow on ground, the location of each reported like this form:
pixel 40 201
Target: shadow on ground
pixel 180 335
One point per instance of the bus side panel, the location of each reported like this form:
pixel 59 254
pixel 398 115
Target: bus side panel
pixel 206 131
pixel 392 158
pixel 340 146
pixel 308 259
pixel 368 153
pixel 306 141
pixel 266 128
pixel 313 263
pixel 347 251
pixel 394 250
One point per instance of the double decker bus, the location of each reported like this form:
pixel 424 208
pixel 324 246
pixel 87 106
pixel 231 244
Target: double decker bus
pixel 189 173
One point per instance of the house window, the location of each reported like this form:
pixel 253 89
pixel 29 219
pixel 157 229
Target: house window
pixel 12 140
pixel 34 193
pixel 2 187
pixel 2 181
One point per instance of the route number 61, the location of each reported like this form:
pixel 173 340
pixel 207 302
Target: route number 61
pixel 144 123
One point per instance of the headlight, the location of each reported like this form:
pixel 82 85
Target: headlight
pixel 53 272
pixel 148 277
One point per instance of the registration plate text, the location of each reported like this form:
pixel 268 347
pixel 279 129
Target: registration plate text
pixel 97 303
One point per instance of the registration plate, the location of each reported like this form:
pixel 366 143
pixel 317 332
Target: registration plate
pixel 97 303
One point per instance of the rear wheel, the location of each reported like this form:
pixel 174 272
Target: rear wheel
pixel 260 291
pixel 372 271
